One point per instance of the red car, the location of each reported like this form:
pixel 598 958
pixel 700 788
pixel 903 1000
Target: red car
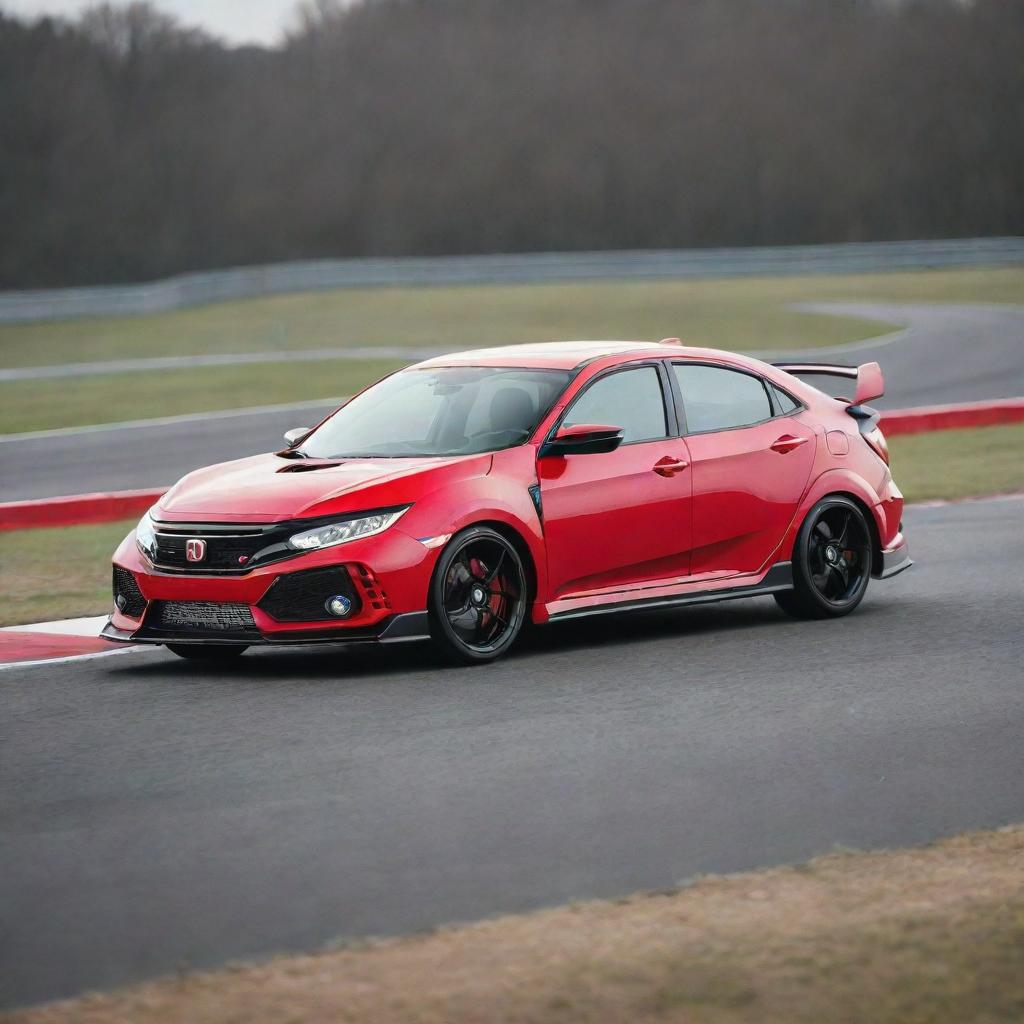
pixel 460 498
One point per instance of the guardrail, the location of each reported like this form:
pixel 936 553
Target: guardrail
pixel 80 509
pixel 526 268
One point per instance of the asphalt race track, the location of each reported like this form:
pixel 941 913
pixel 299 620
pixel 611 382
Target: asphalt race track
pixel 156 816
pixel 950 354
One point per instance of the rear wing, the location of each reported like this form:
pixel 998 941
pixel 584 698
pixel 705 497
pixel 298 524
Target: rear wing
pixel 870 383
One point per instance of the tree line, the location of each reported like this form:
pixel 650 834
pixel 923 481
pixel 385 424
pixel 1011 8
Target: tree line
pixel 133 147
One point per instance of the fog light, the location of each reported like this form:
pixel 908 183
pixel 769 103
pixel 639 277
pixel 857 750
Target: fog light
pixel 121 601
pixel 339 605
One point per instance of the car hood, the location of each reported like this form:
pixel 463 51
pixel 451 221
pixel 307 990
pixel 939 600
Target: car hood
pixel 268 488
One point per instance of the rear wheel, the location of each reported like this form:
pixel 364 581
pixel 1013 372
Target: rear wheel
pixel 831 562
pixel 207 652
pixel 478 596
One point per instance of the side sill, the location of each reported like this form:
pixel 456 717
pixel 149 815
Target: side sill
pixel 778 578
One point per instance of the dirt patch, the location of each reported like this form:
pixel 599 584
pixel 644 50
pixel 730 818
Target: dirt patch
pixel 917 936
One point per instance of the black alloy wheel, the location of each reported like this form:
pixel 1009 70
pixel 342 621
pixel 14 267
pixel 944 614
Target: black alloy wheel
pixel 478 596
pixel 831 562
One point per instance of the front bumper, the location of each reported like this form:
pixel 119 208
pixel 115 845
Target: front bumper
pixel 387 578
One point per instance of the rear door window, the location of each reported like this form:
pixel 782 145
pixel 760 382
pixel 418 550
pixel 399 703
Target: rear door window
pixel 716 398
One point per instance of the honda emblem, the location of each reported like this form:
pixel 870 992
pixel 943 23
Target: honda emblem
pixel 195 550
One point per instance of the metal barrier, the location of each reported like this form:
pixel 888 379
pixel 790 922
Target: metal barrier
pixel 320 275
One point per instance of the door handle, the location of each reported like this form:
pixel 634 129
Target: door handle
pixel 787 443
pixel 669 466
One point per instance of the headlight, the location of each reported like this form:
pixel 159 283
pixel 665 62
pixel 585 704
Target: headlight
pixel 145 536
pixel 342 533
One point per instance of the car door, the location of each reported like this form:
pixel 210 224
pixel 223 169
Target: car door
pixel 749 462
pixel 619 518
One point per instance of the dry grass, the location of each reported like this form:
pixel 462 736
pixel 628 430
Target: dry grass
pixel 920 936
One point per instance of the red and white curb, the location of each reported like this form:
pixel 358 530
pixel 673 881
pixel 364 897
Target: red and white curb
pixel 49 643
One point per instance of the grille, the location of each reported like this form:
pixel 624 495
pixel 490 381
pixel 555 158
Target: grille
pixel 201 617
pixel 126 588
pixel 223 553
pixel 300 596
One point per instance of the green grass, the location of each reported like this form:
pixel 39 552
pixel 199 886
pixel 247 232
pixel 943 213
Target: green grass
pixel 959 463
pixel 44 404
pixel 61 573
pixel 57 573
pixel 739 313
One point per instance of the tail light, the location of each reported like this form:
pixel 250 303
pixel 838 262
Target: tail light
pixel 879 445
pixel 867 422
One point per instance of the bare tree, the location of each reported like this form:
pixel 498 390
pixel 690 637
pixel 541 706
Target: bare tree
pixel 132 147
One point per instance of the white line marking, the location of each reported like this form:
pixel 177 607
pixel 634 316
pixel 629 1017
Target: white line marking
pixel 852 346
pixel 111 366
pixel 8 665
pixel 162 421
pixel 89 626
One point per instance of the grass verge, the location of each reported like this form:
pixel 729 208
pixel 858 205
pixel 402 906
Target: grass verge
pixel 57 573
pixel 736 313
pixel 928 935
pixel 64 572
pixel 954 464
pixel 739 314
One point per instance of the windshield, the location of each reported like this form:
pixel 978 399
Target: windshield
pixel 448 410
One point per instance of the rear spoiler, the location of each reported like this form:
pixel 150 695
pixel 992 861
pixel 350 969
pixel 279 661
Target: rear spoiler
pixel 870 381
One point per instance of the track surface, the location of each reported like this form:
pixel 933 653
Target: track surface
pixel 950 354
pixel 154 815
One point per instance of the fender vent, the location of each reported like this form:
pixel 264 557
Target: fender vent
pixel 371 589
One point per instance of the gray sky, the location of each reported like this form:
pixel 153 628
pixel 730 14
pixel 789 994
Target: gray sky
pixel 238 21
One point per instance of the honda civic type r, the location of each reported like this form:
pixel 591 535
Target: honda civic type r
pixel 465 496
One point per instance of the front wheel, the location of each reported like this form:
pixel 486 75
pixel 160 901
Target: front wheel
pixel 831 562
pixel 207 652
pixel 478 596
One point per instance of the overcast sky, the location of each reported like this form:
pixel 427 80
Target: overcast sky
pixel 238 21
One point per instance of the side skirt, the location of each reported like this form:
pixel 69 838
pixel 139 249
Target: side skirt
pixel 778 578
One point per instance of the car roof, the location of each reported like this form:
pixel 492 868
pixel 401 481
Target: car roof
pixel 568 355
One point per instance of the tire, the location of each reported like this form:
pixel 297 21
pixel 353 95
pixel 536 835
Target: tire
pixel 207 652
pixel 832 561
pixel 478 597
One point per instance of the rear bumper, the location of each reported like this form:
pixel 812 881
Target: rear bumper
pixel 895 559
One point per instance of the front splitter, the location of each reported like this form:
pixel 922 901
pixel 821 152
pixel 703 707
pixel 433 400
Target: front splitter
pixel 405 628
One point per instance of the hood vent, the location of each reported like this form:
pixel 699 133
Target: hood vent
pixel 308 467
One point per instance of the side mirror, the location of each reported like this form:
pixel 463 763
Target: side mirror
pixel 295 435
pixel 583 439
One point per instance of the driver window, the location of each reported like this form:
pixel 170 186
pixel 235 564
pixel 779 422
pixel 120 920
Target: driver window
pixel 630 399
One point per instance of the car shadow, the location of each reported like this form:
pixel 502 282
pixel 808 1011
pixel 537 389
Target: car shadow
pixel 397 662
